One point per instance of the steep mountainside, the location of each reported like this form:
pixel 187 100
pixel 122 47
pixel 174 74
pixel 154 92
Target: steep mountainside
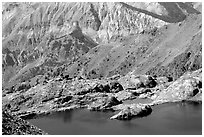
pixel 169 51
pixel 38 38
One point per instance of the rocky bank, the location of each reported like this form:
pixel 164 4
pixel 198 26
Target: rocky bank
pixel 12 125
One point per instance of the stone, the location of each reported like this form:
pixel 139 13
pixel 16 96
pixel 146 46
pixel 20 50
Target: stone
pixel 149 82
pixel 124 95
pixel 180 90
pixel 134 82
pixel 130 111
pixel 115 87
pixel 162 80
pixel 104 104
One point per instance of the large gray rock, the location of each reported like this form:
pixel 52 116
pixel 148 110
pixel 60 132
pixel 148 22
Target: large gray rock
pixel 104 104
pixel 131 81
pixel 182 89
pixel 124 95
pixel 130 111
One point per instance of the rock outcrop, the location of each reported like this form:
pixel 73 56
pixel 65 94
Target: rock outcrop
pixel 12 125
pixel 132 110
pixel 104 104
pixel 188 87
pixel 124 95
pixel 137 81
pixel 60 95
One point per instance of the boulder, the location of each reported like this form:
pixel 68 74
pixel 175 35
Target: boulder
pixel 180 90
pixel 149 81
pixel 162 80
pixel 124 95
pixel 115 87
pixel 134 82
pixel 130 111
pixel 104 104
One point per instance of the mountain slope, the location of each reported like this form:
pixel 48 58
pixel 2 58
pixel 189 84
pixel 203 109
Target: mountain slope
pixel 38 38
pixel 169 51
pixel 99 56
pixel 38 59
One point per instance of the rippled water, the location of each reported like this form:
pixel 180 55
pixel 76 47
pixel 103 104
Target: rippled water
pixel 172 118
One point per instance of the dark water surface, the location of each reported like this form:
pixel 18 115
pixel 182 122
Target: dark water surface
pixel 171 118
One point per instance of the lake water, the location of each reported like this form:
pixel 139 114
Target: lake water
pixel 167 119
